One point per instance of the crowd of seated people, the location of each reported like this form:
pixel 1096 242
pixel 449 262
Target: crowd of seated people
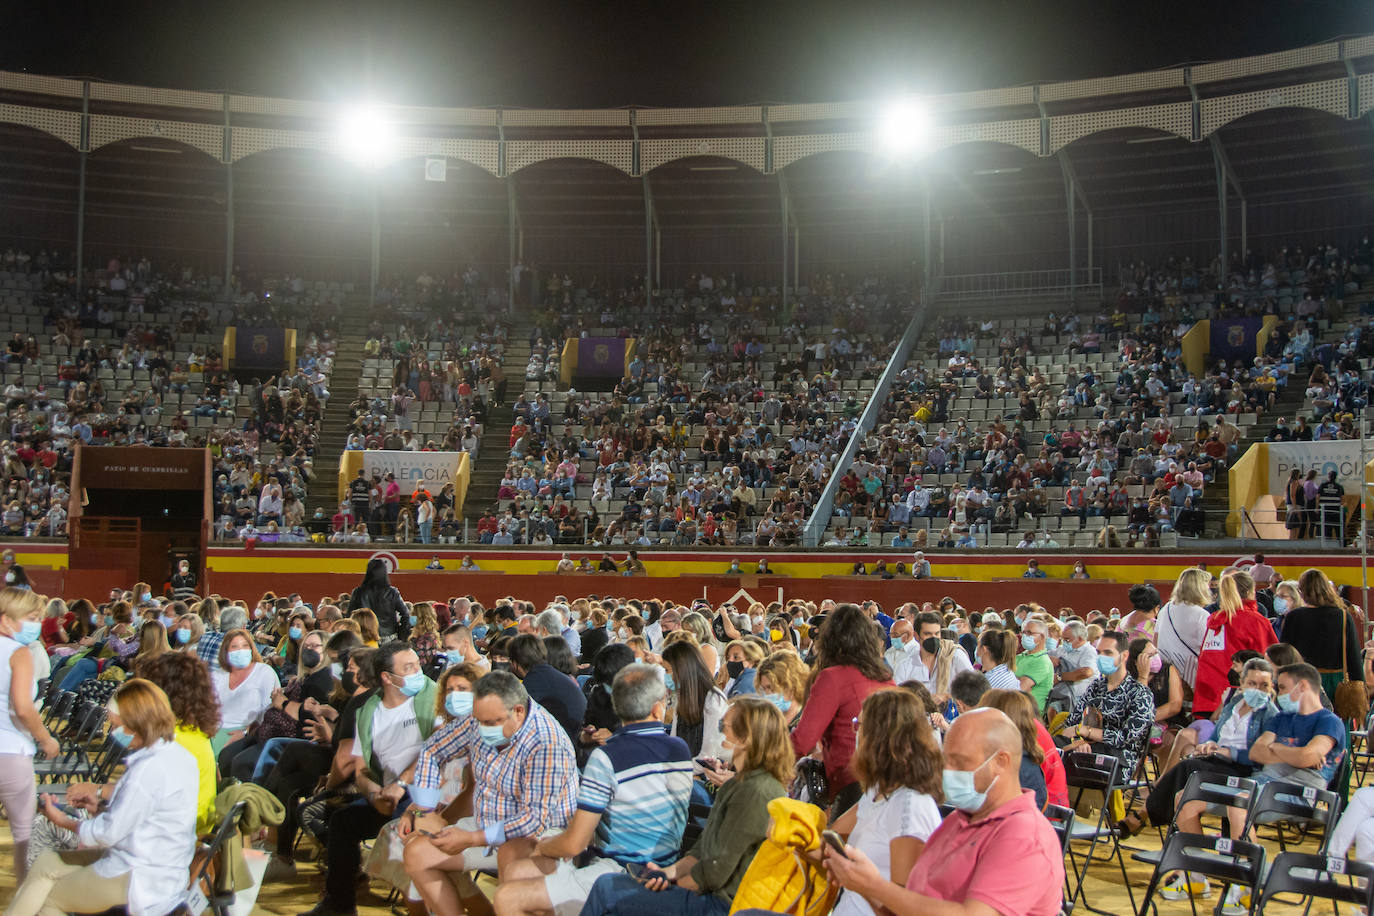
pixel 601 755
pixel 705 416
pixel 133 362
pixel 1119 433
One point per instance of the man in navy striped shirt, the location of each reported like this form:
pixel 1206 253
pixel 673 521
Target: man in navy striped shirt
pixel 631 807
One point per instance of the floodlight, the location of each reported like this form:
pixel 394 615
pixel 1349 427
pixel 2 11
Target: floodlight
pixel 365 136
pixel 904 128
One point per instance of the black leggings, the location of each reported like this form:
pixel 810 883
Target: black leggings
pixel 1160 803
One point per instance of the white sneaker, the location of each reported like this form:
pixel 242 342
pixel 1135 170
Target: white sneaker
pixel 1179 887
pixel 1237 901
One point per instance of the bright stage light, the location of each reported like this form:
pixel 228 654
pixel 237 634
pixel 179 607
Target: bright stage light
pixel 904 129
pixel 365 136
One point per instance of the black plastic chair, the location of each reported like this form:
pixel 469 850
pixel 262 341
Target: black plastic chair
pixel 1331 878
pixel 1100 773
pixel 1061 819
pixel 203 890
pixel 1279 803
pixel 1216 791
pixel 1229 861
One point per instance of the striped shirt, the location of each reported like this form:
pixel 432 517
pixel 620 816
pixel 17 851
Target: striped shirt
pixel 639 782
pixel 523 789
pixel 1001 678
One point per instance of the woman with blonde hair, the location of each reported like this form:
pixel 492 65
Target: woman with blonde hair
pixel 1182 622
pixel 700 627
pixel 781 680
pixel 1237 624
pixel 187 633
pixel 742 657
pixel 21 727
pixel 899 767
pixel 704 881
pixel 137 852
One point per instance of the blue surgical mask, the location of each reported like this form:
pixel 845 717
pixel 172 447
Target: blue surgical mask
pixel 898 643
pixel 29 632
pixel 1028 642
pixel 1106 665
pixel 668 681
pixel 167 622
pixel 458 703
pixel 414 620
pixel 295 632
pixel 479 632
pixel 1287 703
pixel 240 658
pixel 1280 605
pixel 95 620
pixel 121 736
pixel 145 597
pixel 492 735
pixel 183 637
pixel 1255 698
pixel 453 658
pixel 414 683
pixel 777 700
pixel 336 670
pixel 1051 644
pixel 960 791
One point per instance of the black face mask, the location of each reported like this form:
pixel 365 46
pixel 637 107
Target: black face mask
pixel 500 666
pixel 734 669
pixel 930 645
pixel 1233 678
pixel 310 658
pixel 350 683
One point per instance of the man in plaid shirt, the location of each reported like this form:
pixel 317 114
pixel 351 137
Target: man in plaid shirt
pixel 526 786
pixel 232 617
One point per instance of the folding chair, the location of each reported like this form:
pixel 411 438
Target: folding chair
pixel 1227 860
pixel 58 709
pixel 1284 802
pixel 75 757
pixel 1061 819
pixel 1101 773
pixel 1320 877
pixel 204 891
pixel 1216 791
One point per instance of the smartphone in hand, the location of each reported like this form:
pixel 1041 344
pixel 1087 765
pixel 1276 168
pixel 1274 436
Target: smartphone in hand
pixel 834 840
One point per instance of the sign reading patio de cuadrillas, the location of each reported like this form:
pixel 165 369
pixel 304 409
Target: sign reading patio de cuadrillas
pixel 140 468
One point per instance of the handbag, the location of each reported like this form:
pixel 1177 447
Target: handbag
pixel 1351 701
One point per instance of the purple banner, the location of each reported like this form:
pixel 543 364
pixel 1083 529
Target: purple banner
pixel 1235 338
pixel 602 357
pixel 260 348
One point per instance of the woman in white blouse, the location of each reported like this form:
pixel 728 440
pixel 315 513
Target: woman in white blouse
pixel 244 684
pixel 136 853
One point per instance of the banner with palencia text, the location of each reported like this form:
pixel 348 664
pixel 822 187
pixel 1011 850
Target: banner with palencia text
pixel 432 470
pixel 1341 456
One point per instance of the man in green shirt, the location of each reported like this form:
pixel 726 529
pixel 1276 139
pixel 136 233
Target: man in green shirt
pixel 1033 665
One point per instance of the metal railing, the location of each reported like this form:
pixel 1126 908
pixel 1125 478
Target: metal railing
pixel 1086 281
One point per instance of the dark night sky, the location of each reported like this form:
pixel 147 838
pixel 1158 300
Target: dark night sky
pixel 540 53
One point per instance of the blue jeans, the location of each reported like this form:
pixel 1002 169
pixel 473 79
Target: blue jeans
pixel 269 755
pixel 81 670
pixel 624 896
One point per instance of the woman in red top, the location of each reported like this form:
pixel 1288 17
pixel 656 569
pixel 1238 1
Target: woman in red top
pixel 1237 624
pixel 849 666
pixel 54 630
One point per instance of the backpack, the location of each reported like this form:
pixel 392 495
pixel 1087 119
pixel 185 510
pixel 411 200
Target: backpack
pixel 779 878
